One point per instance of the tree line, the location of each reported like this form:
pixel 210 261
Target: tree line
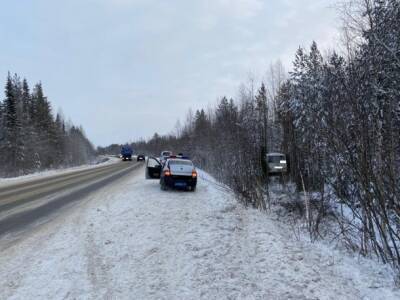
pixel 337 116
pixel 341 126
pixel 31 138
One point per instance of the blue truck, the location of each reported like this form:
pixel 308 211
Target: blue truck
pixel 126 152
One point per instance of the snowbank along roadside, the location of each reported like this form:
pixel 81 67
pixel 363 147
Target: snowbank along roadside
pixel 133 241
pixel 49 173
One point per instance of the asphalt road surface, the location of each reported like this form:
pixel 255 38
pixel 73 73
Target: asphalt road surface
pixel 28 204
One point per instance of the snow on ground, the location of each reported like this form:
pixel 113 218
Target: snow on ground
pixel 47 173
pixel 133 241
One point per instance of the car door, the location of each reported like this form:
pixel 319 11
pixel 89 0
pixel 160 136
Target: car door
pixel 153 168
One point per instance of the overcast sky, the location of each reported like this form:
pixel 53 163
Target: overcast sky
pixel 124 69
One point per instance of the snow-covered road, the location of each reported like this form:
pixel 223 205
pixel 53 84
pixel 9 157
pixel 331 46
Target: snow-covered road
pixel 134 241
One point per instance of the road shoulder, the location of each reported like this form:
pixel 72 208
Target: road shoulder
pixel 135 240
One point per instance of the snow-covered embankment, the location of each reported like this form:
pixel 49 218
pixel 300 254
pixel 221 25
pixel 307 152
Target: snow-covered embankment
pixel 134 241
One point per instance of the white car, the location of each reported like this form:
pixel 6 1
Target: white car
pixel 164 155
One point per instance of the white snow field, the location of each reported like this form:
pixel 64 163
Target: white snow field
pixel 133 241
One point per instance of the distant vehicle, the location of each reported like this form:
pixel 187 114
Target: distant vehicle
pixel 175 173
pixel 164 156
pixel 277 164
pixel 141 157
pixel 126 152
pixel 166 153
pixel 180 155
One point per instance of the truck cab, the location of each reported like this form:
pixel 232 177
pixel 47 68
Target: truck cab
pixel 126 153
